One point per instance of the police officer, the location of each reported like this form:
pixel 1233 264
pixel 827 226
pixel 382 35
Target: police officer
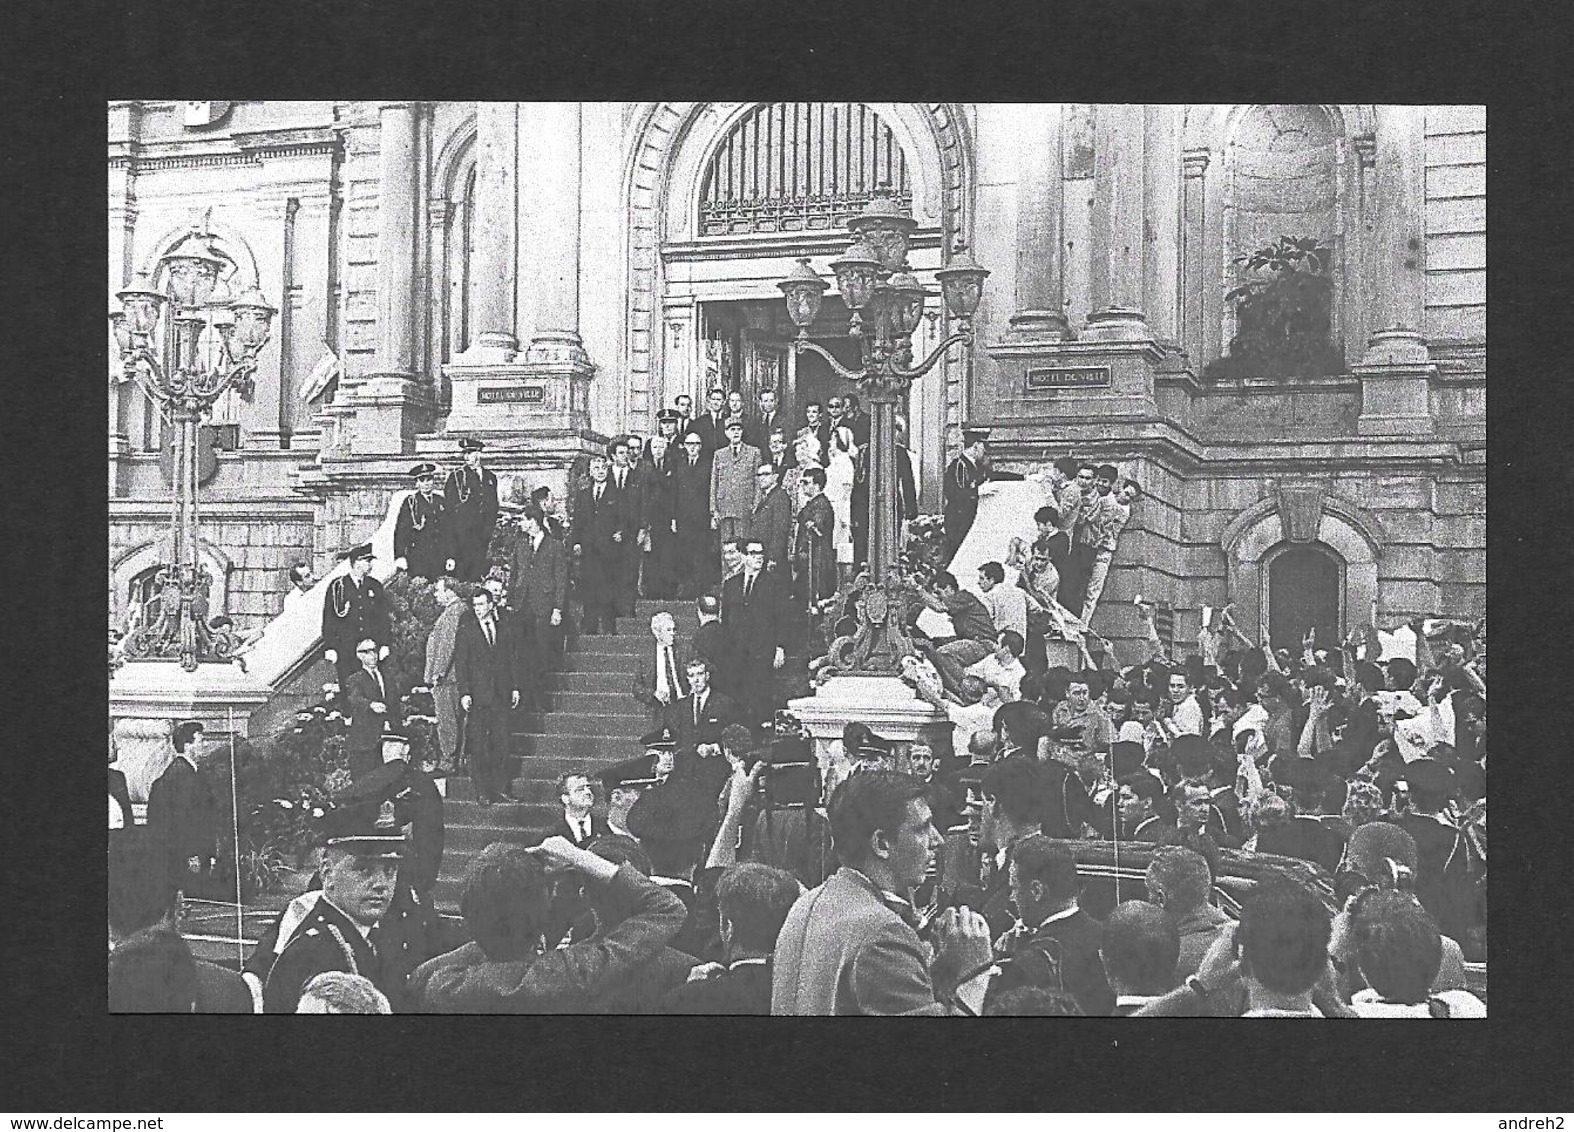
pixel 354 609
pixel 470 493
pixel 360 865
pixel 423 543
pixel 623 783
pixel 674 823
pixel 962 477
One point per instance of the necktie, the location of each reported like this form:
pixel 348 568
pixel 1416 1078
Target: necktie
pixel 677 676
pixel 696 711
pixel 748 586
pixel 382 689
pixel 621 476
pixel 487 627
pixel 599 490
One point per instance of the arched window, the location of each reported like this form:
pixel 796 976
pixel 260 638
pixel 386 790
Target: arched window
pixel 796 166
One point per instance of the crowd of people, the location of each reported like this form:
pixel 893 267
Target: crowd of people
pixel 732 868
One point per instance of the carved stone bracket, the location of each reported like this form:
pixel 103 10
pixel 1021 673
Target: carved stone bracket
pixel 1301 509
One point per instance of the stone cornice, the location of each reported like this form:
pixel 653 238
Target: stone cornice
pixel 816 243
pixel 251 149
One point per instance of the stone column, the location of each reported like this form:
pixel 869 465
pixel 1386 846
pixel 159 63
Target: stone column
pixel 1119 148
pixel 1397 369
pixel 396 228
pixel 496 235
pixel 1194 167
pixel 1040 297
pixel 548 261
pixel 1162 220
pixel 390 402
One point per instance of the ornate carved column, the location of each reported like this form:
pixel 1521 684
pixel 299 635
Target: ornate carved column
pixel 1040 298
pixel 1396 371
pixel 1119 159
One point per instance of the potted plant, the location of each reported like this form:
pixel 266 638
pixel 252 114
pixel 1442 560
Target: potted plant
pixel 1283 314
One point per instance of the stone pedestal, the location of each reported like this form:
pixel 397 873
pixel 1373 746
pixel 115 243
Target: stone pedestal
pixel 219 696
pixel 547 391
pixel 890 708
pixel 1396 377
pixel 1089 378
pixel 390 409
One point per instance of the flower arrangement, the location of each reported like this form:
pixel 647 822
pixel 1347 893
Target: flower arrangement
pixel 923 554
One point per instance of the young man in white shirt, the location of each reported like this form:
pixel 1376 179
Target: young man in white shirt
pixel 1002 670
pixel 1007 605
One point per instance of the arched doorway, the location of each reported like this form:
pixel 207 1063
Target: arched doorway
pixel 1304 592
pixel 724 197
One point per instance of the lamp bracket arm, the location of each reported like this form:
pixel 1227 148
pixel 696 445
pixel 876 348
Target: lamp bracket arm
pixel 801 344
pixel 934 357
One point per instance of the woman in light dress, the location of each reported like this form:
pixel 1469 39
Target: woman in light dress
pixel 839 472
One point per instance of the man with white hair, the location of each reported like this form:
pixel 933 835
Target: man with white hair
pixel 660 681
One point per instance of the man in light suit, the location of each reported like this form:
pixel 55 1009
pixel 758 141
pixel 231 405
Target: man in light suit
pixel 851 946
pixel 538 576
pixel 659 681
pixel 439 675
pixel 732 482
pixel 487 661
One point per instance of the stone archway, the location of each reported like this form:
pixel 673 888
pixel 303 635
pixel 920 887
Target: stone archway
pixel 1300 514
pixel 662 177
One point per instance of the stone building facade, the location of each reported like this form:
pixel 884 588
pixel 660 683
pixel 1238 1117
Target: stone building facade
pixel 546 275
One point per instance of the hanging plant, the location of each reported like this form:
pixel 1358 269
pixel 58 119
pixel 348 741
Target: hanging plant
pixel 1283 314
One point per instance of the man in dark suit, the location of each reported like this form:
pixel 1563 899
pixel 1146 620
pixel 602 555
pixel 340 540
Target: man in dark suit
pixel 601 532
pixel 1446 867
pixel 767 418
pixel 417 804
pixel 753 901
pixel 423 539
pixel 962 477
pixel 538 576
pixel 771 521
pixel 699 717
pixel 753 607
pixel 711 425
pixel 372 703
pixel 713 641
pixel 489 666
pixel 857 420
pixel 470 493
pixel 578 823
pixel 815 419
pixel 696 560
pixel 1057 947
pixel 813 553
pixel 1305 836
pixel 633 481
pixel 354 608
pixel 119 799
pixel 183 818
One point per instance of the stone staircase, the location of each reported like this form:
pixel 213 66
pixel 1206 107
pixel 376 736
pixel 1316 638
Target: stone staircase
pixel 592 721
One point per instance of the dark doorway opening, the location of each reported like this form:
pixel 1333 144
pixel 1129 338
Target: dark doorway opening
pixel 1303 593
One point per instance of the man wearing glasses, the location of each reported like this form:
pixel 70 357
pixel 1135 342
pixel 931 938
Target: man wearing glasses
pixel 695 540
pixel 373 707
pixel 753 609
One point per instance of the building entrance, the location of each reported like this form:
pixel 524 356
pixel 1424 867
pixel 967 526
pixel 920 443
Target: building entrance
pixel 1303 593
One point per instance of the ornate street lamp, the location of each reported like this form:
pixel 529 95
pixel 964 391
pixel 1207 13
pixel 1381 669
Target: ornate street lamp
pixel 217 342
pixel 887 305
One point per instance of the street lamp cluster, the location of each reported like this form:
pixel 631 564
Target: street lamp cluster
pixel 886 302
pixel 217 343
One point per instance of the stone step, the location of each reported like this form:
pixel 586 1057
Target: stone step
pixel 471 838
pixel 583 749
pixel 628 726
pixel 625 644
pixel 623 664
pixel 589 682
pixel 620 702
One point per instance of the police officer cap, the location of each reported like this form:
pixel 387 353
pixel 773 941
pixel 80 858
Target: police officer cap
pixel 668 416
pixel 660 739
pixel 364 550
pixel 973 434
pixel 424 469
pixel 673 811
pixel 636 773
pixel 372 789
pixel 1430 776
pixel 392 736
pixel 470 444
pixel 355 828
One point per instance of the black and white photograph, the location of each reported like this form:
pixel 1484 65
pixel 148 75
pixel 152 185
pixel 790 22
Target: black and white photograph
pixel 797 558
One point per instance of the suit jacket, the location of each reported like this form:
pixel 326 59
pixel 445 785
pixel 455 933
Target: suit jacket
pixel 183 818
pixel 710 430
pixel 713 641
pixel 732 483
pixel 842 950
pixel 422 536
pixel 365 614
pixel 691 493
pixel 757 623
pixel 861 424
pixel 962 478
pixel 489 675
pixel 440 646
pixel 744 988
pixel 366 725
pixel 633 488
pixel 813 544
pixel 1060 954
pixel 596 522
pixel 660 498
pixel 598 828
pixel 771 523
pixel 718 711
pixel 644 683
pixel 761 427
pixel 539 578
pixel 566 980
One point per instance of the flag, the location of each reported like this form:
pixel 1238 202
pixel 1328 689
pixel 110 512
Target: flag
pixel 326 369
